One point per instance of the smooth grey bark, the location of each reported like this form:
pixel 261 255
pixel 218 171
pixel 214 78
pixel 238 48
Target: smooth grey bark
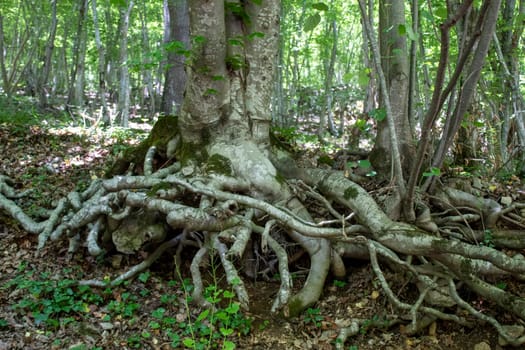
pixel 76 77
pixel 389 154
pixel 326 115
pixel 3 68
pixel 101 65
pixel 176 29
pixel 124 88
pixel 50 45
pixel 394 63
pixel 147 93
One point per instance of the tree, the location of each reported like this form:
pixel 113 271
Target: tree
pixel 176 39
pixel 42 93
pixel 394 139
pixel 77 75
pixel 124 87
pixel 215 179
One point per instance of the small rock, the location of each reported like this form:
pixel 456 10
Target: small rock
pixel 514 331
pixel 482 346
pixel 506 200
pixel 106 325
pixel 476 183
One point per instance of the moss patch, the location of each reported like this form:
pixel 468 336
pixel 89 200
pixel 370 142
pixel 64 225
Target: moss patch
pixel 350 193
pixel 219 164
pixel 295 307
pixel 163 131
pixel 191 151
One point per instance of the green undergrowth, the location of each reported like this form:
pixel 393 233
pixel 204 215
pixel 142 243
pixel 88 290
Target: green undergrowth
pixel 154 311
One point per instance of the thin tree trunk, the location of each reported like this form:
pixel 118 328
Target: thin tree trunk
pixel 124 88
pixel 176 29
pixel 472 77
pixel 3 69
pixel 105 118
pixel 147 93
pixel 385 91
pixel 46 69
pixel 326 115
pixel 76 85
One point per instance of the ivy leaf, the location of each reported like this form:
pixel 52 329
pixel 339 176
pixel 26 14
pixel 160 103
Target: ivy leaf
pixel 320 6
pixel 311 22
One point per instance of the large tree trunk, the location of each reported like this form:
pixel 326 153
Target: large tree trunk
pixel 394 62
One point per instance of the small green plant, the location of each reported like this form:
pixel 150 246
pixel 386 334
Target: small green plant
pixel 501 285
pixel 313 317
pixel 51 300
pixel 3 323
pixel 488 239
pixel 339 284
pixel 126 306
pixel 432 172
pixel 263 325
pixel 213 327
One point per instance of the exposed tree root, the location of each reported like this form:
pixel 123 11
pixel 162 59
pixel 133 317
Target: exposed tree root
pixel 225 216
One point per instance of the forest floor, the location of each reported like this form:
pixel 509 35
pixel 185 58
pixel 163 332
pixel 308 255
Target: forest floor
pixel 41 308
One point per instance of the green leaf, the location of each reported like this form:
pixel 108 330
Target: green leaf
pixel 233 308
pixel 363 77
pixel 199 39
pixel 433 172
pixel 143 277
pixel 228 345
pixel 320 6
pixel 188 342
pixel 203 315
pixel 158 312
pixel 226 331
pixel 254 35
pixel 378 114
pixel 235 42
pixel 119 3
pixel 401 29
pixel 311 22
pixel 228 294
pixel 441 12
pixel 364 163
